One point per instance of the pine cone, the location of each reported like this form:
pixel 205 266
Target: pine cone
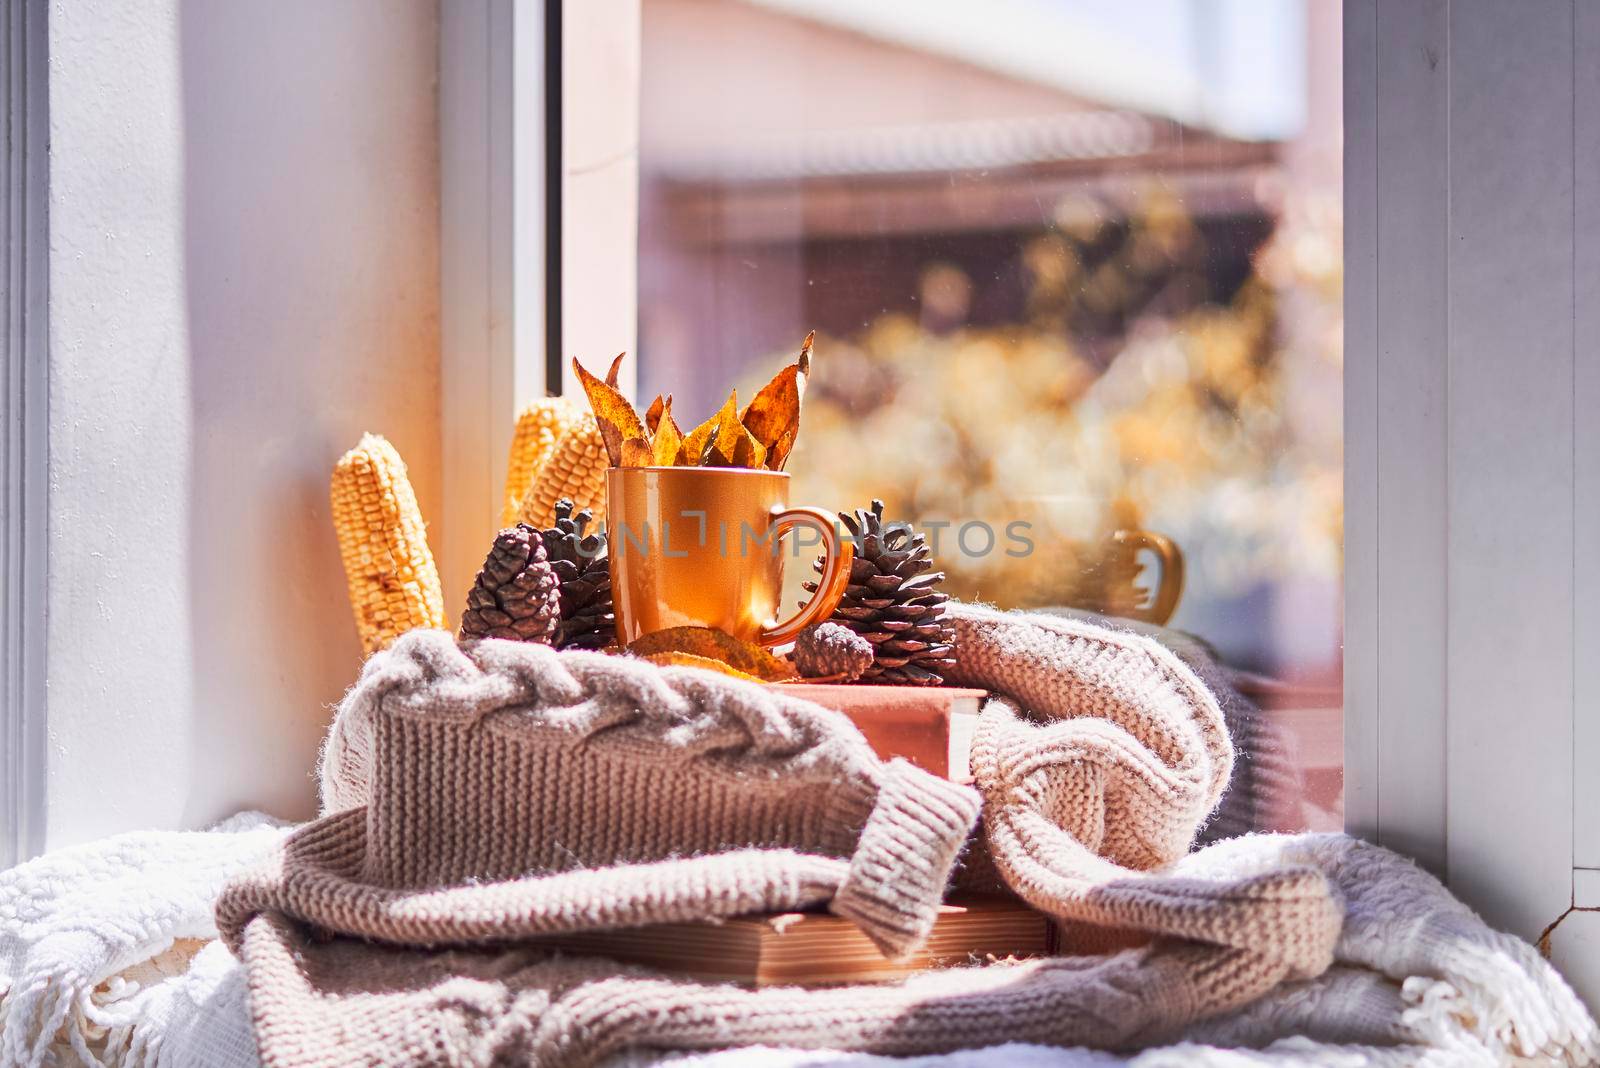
pixel 583 569
pixel 892 602
pixel 830 650
pixel 516 593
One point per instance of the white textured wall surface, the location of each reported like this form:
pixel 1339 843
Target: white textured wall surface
pixel 244 277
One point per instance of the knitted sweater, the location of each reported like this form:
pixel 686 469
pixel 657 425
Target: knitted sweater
pixel 516 791
pixel 483 795
pixel 1267 786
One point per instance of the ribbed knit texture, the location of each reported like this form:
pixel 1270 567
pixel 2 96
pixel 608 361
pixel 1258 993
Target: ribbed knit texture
pixel 484 795
pixel 1418 979
pixel 1072 792
pixel 347 1003
pixel 511 790
pixel 1267 786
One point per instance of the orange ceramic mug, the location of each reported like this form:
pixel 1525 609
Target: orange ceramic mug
pixel 700 546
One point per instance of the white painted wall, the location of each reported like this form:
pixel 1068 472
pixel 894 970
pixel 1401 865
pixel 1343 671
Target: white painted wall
pixel 244 277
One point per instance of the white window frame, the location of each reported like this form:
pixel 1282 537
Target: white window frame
pixel 1472 492
pixel 24 353
pixel 1472 452
pixel 493 279
pixel 515 177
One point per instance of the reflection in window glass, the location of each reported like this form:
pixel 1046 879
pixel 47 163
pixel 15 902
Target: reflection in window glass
pixel 1073 264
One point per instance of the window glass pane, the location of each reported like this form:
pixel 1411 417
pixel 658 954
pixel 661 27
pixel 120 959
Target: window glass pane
pixel 1075 269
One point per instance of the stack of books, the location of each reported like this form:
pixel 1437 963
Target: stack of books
pixel 817 948
pixel 933 728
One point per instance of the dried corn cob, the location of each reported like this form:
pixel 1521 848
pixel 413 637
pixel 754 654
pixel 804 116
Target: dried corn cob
pixel 539 426
pixel 575 470
pixel 394 585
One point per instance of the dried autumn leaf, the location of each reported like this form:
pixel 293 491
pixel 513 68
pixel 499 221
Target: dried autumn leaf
pixel 652 416
pixel 704 662
pixel 748 452
pixel 668 438
pixel 713 644
pixel 732 445
pixel 773 417
pixel 636 452
pixel 618 421
pixel 698 445
pixel 616 369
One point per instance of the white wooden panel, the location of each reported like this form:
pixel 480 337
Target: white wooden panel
pixel 24 432
pixel 467 219
pixel 1575 951
pixel 491 130
pixel 600 184
pixel 1509 782
pixel 1586 888
pixel 1412 88
pixel 1586 430
pixel 1396 443
pixel 1361 644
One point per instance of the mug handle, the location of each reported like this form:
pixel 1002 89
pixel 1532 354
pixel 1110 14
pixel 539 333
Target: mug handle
pixel 1164 601
pixel 830 586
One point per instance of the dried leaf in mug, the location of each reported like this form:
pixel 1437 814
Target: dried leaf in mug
pixel 732 445
pixel 705 663
pixel 713 644
pixel 652 416
pixel 618 421
pixel 773 417
pixel 616 369
pixel 748 452
pixel 697 447
pixel 636 452
pixel 668 438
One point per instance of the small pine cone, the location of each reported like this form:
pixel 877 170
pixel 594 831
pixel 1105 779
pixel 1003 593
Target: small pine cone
pixel 583 568
pixel 517 595
pixel 893 601
pixel 829 650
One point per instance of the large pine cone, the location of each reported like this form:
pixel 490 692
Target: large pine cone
pixel 892 601
pixel 516 594
pixel 583 568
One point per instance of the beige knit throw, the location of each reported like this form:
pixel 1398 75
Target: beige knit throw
pixel 481 796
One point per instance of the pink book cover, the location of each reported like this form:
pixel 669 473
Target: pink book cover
pixel 931 726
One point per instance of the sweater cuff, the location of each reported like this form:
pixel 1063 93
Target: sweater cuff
pixel 902 863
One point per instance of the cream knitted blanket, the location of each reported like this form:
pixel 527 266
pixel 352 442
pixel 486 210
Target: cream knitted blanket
pixel 1417 978
pixel 511 791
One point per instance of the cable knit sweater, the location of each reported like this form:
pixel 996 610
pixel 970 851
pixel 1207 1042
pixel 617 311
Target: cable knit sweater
pixel 477 796
pixel 517 791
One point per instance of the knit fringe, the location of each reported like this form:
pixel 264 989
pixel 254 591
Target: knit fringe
pixel 130 1039
pixel 1504 1000
pixel 33 1015
pixel 73 920
pixel 54 1014
pixel 64 1013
